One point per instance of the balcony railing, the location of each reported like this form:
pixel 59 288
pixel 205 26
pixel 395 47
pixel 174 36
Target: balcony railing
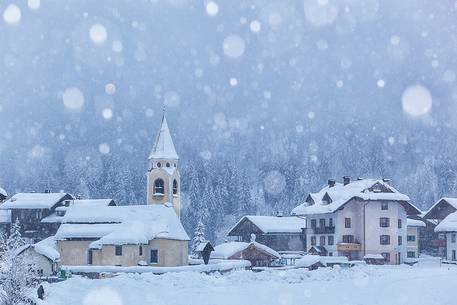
pixel 346 247
pixel 322 230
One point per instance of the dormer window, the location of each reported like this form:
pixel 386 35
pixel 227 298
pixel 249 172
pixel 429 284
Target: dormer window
pixel 326 199
pixel 158 187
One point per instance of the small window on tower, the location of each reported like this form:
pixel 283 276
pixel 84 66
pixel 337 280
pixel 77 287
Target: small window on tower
pixel 175 187
pixel 159 164
pixel 168 164
pixel 174 164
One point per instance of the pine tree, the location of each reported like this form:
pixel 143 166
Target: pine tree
pixel 15 239
pixel 199 237
pixel 16 275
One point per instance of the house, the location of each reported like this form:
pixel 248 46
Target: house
pixel 43 256
pixel 448 226
pixel 57 216
pixel 277 232
pixel 122 236
pixel 103 234
pixel 259 255
pixel 431 241
pixel 412 237
pixel 31 208
pixel 356 218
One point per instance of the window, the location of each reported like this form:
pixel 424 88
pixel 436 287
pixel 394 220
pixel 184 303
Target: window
pixel 384 239
pixel 347 222
pixel 174 164
pixel 168 164
pixel 118 250
pixel 313 223
pixel 89 257
pixel 322 222
pixel 158 187
pixel 384 222
pixel 453 255
pixel 313 240
pixel 411 238
pixel 400 240
pixel 322 241
pixel 175 187
pixel 453 236
pixel 330 222
pixel 159 164
pixel 411 254
pixel 348 239
pixel 140 250
pixel 330 240
pixel 399 223
pixel 386 256
pixel 154 257
pixel 384 206
pixel 330 254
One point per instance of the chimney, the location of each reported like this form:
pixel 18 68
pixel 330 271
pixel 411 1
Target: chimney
pixel 331 183
pixel 386 180
pixel 346 180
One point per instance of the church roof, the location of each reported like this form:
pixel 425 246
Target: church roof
pixel 163 145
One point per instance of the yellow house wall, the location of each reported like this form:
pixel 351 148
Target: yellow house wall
pixel 171 253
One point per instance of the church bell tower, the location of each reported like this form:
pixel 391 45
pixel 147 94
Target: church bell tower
pixel 164 185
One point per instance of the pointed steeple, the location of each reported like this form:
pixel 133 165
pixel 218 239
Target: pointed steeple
pixel 163 146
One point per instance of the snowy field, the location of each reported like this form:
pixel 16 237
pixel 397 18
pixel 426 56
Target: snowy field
pixel 364 285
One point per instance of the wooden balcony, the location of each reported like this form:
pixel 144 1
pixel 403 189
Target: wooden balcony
pixel 348 247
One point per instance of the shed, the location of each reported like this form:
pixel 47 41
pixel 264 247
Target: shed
pixel 374 259
pixel 311 262
pixel 259 255
pixel 205 249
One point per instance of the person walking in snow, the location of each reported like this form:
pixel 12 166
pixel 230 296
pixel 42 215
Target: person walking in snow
pixel 40 292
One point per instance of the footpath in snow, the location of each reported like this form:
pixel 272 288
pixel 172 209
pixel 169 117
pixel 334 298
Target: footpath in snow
pixel 361 285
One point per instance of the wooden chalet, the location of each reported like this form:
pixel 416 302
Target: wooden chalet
pixel 277 232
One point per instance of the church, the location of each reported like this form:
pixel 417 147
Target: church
pixel 133 235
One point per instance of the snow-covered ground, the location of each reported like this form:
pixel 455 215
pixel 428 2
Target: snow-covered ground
pixel 367 285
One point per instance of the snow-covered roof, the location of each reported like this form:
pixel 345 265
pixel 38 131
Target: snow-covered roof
pixel 448 224
pixel 3 193
pixel 451 201
pixel 85 231
pixel 5 216
pixel 229 249
pixel 34 200
pixel 118 225
pixel 163 146
pixel 330 199
pixel 201 246
pixel 373 256
pixel 414 223
pixel 48 248
pixel 92 202
pixel 274 224
pixel 308 260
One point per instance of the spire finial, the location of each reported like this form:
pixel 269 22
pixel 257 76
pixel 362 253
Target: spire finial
pixel 163 109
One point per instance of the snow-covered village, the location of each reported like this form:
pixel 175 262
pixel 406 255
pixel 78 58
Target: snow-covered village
pixel 209 152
